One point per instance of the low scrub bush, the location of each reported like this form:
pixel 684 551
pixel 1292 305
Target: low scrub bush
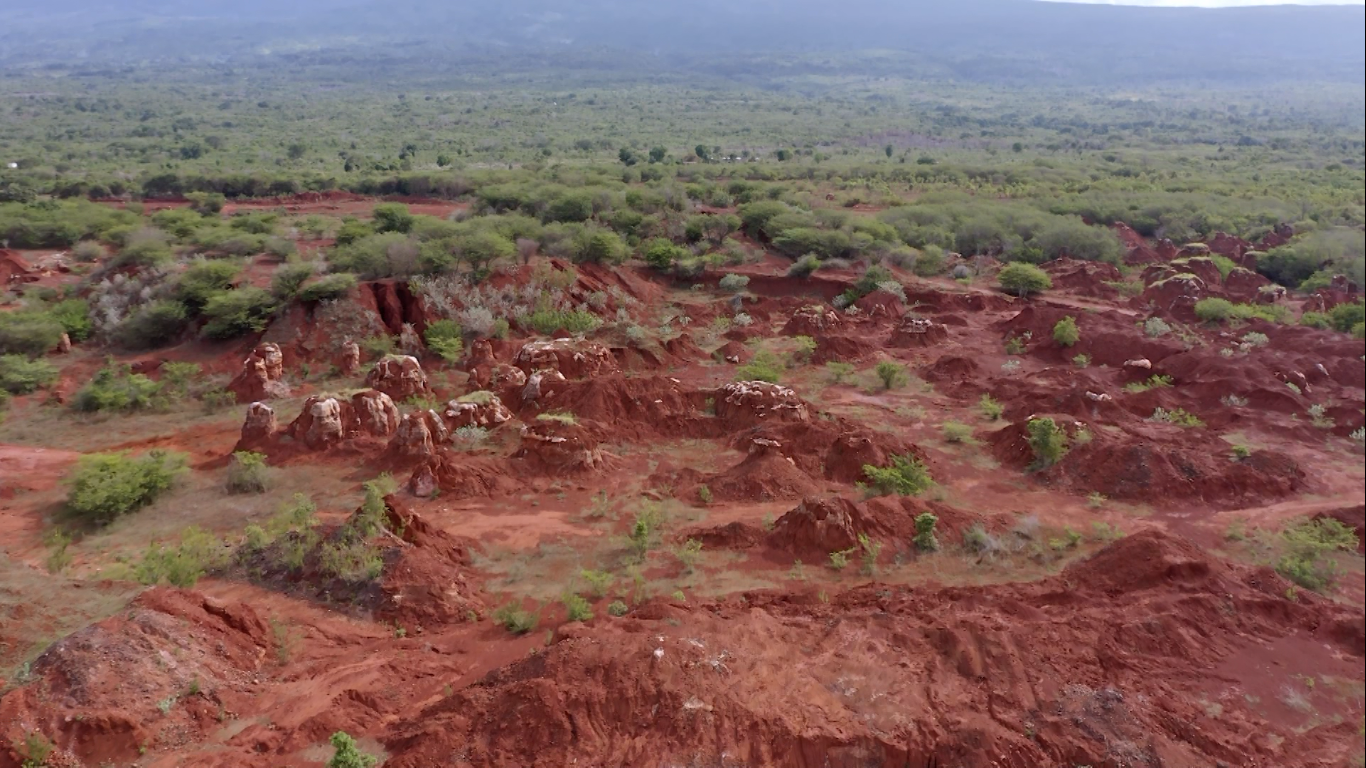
pixel 106 486
pixel 548 321
pixel 1065 332
pixel 153 325
pixel 1048 442
pixel 116 388
pixel 515 619
pixel 925 539
pixel 1310 546
pixel 764 367
pixel 905 476
pixel 891 374
pixel 247 473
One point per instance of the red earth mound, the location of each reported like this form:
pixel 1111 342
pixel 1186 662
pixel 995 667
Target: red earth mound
pixel 1104 665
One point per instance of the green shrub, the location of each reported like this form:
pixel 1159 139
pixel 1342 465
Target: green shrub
pixel 445 338
pixel 516 620
pixel 19 375
pixel 905 476
pixel 1310 545
pixel 1065 332
pixel 1155 327
pixel 617 608
pixel 925 539
pixel 764 367
pixel 237 312
pixel 1345 317
pixel 990 408
pixel 804 266
pixel 576 607
pixel 29 333
pixel 661 254
pixel 247 473
pixel 346 754
pixel 599 582
pixel 154 325
pixel 289 278
pixel 548 321
pixel 1319 320
pixel 1178 416
pixel 733 283
pixel 1156 381
pixel 115 388
pixel 74 315
pixel 106 486
pixel 1214 310
pixel 1024 279
pixel 1047 441
pixel 329 287
pixel 1222 310
pixel 183 565
pixel 202 280
pixel 955 432
pixel 392 217
pixel 891 374
pixel 177 377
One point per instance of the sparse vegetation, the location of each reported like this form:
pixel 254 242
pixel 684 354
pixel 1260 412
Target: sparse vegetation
pixel 905 476
pixel 1309 548
pixel 991 410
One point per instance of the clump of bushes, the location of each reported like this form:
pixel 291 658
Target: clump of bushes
pixel 234 313
pixel 765 366
pixel 106 486
pixel 891 374
pixel 1048 442
pixel 1219 311
pixel 905 476
pixel 20 375
pixel 29 333
pixel 116 388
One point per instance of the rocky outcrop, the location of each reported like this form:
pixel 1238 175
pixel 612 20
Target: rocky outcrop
pixel 747 403
pixel 812 320
pixel 574 358
pixel 262 375
pixel 918 332
pixel 556 446
pixel 400 377
pixel 258 428
pixel 417 437
pixel 376 413
pixel 348 360
pixel 816 528
pixel 322 424
pixel 477 409
pixel 541 384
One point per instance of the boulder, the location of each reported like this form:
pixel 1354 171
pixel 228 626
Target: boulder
pixel 540 384
pixel 262 375
pixel 400 377
pixel 322 423
pixel 816 528
pixel 64 344
pixel 417 437
pixel 1244 285
pixel 376 414
pixel 258 428
pixel 348 360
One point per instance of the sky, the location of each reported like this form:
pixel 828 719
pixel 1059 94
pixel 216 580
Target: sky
pixel 1217 3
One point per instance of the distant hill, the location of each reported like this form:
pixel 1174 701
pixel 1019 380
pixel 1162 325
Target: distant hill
pixel 972 39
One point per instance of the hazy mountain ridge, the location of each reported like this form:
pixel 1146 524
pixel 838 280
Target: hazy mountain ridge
pixel 977 39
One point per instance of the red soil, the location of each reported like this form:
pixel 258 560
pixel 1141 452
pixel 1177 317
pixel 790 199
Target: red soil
pixel 1151 651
